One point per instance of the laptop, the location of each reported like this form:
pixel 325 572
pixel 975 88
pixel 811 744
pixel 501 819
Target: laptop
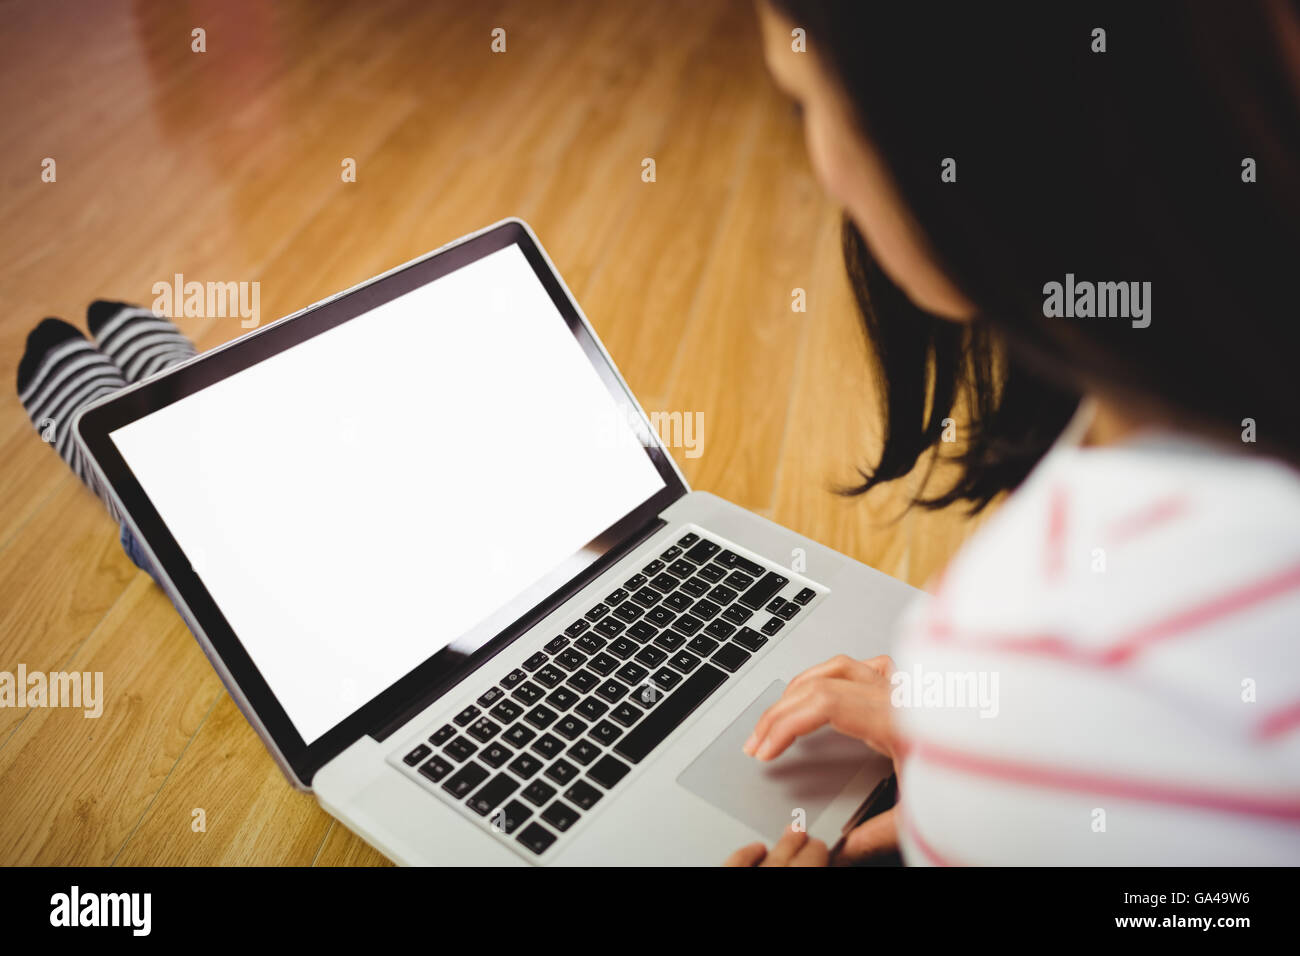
pixel 447 568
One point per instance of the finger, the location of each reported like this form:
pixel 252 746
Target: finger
pixel 750 855
pixel 882 665
pixel 763 727
pixel 827 702
pixel 812 853
pixel 790 843
pixel 875 836
pixel 841 665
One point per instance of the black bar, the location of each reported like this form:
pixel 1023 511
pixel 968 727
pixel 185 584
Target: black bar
pixel 764 588
pixel 662 721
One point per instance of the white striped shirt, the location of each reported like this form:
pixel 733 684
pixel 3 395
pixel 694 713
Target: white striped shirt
pixel 1138 606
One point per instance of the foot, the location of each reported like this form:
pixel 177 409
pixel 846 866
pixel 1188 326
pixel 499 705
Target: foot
pixel 139 341
pixel 60 373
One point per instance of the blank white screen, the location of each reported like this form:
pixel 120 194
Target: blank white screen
pixel 360 500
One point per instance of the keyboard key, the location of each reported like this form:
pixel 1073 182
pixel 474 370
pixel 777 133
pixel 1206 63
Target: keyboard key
pixel 528 693
pixel 548 745
pixel 436 769
pixel 492 794
pixel 511 817
pixel 577 627
pixel 737 614
pixel 749 639
pixel 611 690
pixel 590 644
pixel 483 730
pixel 560 816
pixel 541 717
pixel 549 676
pixel 788 610
pixel 536 838
pixel 723 594
pixel 638 742
pixel 525 766
pixel 571 660
pixel 491 696
pixel 738 580
pixel 702 551
pixel 561 698
pixel 616 597
pixel 635 582
pixel 695 586
pixel 631 673
pixel 688 624
pixel 583 681
pixel 661 617
pixel 622 648
pixel 513 678
pixel 553 646
pixel 641 631
pixel 607 771
pixel 582 795
pixel 671 554
pixel 772 626
pixel 665 582
pixel 666 679
pixel 688 539
pixel 460 749
pixel 418 754
pixel 670 640
pixel 592 709
pixel 538 793
pixel 684 661
pixel 571 728
pixel 584 751
pixel 713 574
pixel 647 597
pixel 705 610
pixel 597 612
pixel 494 755
pixel 653 568
pixel 730 657
pixel 466 715
pixel 651 656
pixel 611 627
pixel 804 596
pixel 442 735
pixel 536 661
pixel 681 569
pixel 720 629
pixel 507 711
pixel 628 611
pixel 678 601
pixel 625 714
pixel 519 735
pixel 562 772
pixel 603 664
pixel 764 590
pixel 732 560
pixel 701 645
pixel 774 605
pixel 605 732
pixel 465 779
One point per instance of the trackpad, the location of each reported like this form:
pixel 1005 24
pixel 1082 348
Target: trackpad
pixel 808 776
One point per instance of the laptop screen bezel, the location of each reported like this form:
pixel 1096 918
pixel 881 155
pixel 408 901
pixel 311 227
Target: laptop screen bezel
pixel 447 666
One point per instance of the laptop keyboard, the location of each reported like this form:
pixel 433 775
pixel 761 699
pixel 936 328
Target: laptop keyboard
pixel 553 737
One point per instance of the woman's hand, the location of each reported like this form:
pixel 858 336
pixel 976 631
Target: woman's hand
pixel 852 696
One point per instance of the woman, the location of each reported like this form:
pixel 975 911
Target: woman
pixel 1077 233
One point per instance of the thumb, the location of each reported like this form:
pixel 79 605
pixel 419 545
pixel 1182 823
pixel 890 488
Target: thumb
pixel 875 836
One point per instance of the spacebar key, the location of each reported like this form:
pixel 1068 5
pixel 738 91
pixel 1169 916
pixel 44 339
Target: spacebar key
pixel 665 718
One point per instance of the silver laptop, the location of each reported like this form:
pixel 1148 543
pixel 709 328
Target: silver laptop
pixel 444 563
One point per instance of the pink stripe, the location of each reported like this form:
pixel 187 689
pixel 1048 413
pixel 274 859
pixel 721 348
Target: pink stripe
pixel 1056 517
pixel 1154 515
pixel 1122 650
pixel 1055 778
pixel 1279 722
pixel 928 851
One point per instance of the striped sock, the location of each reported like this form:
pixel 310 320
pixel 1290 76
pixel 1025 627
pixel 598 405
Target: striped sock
pixel 139 341
pixel 59 374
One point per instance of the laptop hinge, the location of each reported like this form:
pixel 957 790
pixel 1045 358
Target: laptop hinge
pixel 392 721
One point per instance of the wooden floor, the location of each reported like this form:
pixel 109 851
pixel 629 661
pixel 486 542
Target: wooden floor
pixel 225 166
